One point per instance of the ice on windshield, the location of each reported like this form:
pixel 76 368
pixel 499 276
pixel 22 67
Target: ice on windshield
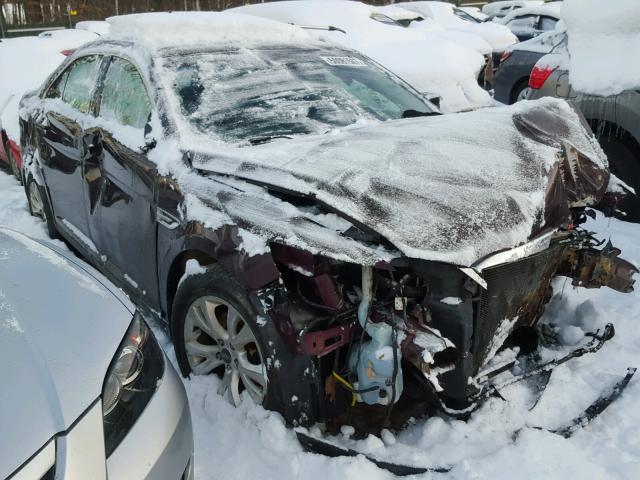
pixel 247 94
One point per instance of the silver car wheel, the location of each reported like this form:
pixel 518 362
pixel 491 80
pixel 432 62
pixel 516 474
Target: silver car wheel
pixel 35 199
pixel 524 94
pixel 218 340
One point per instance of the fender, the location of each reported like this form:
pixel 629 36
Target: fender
pixel 193 240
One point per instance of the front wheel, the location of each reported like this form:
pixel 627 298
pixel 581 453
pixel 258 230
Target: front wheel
pixel 219 328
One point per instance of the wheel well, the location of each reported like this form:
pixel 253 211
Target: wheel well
pixel 604 130
pixel 524 81
pixel 177 270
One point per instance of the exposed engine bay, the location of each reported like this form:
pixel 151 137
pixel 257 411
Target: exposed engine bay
pixel 403 338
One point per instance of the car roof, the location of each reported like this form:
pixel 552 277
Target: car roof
pixel 160 30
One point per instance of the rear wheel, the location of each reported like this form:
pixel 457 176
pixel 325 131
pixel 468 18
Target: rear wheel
pixel 219 328
pixel 520 91
pixel 624 161
pixel 39 206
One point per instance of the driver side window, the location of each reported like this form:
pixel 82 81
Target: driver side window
pixel 124 96
pixel 76 84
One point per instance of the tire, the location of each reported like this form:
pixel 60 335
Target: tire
pixel 39 206
pixel 520 89
pixel 200 318
pixel 624 162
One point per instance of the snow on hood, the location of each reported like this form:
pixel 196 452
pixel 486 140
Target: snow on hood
pixel 25 63
pixel 603 41
pixel 439 188
pixel 434 65
pixel 59 330
pixel 498 36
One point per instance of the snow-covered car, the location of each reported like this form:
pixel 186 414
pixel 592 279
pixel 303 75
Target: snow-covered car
pixel 501 8
pixel 312 230
pixel 452 18
pixel 25 63
pixel 511 80
pixel 436 66
pixel 433 30
pixel 87 391
pixel 529 22
pixel 590 67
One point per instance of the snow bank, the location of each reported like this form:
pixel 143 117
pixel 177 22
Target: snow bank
pixel 604 41
pixel 26 62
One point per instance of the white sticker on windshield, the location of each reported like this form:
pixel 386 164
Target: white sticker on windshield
pixel 344 61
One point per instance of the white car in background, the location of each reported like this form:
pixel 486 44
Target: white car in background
pixel 436 67
pixel 452 18
pixel 529 22
pixel 87 392
pixel 433 29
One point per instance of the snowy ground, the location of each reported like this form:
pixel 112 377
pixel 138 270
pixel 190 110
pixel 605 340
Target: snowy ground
pixel 251 442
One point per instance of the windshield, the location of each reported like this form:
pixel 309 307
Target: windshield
pixel 240 95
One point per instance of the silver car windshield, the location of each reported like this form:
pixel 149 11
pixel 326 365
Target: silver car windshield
pixel 243 94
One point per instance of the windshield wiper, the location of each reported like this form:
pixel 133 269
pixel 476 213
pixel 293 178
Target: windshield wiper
pixel 415 113
pixel 266 138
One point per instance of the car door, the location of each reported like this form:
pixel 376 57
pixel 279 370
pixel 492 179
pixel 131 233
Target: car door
pixel 60 141
pixel 120 180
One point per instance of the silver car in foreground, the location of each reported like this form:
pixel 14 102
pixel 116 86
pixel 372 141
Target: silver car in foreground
pixel 87 392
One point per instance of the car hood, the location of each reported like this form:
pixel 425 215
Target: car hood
pixel 450 188
pixel 59 330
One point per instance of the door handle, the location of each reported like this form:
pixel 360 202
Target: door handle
pixel 93 147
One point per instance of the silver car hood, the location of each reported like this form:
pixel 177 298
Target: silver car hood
pixel 451 188
pixel 59 330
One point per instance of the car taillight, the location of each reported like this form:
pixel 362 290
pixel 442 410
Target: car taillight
pixel 67 53
pixel 506 54
pixel 539 75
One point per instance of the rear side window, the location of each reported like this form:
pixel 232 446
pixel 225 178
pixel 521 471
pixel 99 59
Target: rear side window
pixel 124 96
pixel 547 23
pixel 79 82
pixel 524 22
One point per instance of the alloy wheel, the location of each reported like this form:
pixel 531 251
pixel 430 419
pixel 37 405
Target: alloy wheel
pixel 524 94
pixel 218 340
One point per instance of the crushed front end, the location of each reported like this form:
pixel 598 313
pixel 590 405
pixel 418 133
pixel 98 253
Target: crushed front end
pixel 403 338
